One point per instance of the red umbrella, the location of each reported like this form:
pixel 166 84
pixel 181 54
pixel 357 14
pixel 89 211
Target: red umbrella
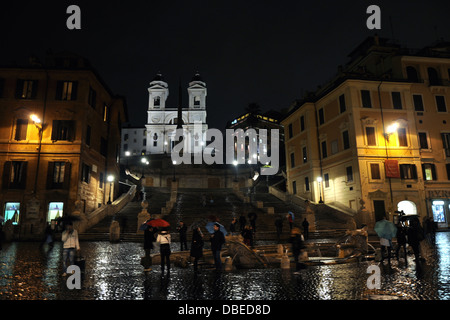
pixel 159 223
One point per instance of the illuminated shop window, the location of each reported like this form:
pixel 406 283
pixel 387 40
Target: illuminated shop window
pixel 12 212
pixel 438 211
pixel 55 210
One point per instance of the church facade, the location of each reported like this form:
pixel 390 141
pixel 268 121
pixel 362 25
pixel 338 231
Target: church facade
pixel 163 120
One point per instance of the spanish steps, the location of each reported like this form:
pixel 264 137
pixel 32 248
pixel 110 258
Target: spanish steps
pixel 201 205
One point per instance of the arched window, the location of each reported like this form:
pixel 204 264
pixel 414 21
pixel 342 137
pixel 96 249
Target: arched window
pixel 433 77
pixel 408 207
pixel 411 74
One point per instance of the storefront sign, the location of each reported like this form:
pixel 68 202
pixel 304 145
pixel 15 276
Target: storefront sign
pixel 392 169
pixel 438 193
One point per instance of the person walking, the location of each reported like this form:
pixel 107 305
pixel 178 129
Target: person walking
pixel 415 235
pixel 252 217
pixel 233 226
pixel 217 240
pixel 164 240
pixel 71 245
pixel 401 242
pixel 197 247
pixel 305 225
pixel 49 237
pixel 247 234
pixel 182 229
pixel 290 221
pixel 149 238
pixel 297 247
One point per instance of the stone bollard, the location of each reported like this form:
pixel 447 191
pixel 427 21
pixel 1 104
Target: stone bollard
pixel 114 232
pixel 285 261
pixel 228 264
pixel 280 249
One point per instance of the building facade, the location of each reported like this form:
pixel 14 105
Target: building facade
pixel 374 140
pixel 257 121
pixel 59 140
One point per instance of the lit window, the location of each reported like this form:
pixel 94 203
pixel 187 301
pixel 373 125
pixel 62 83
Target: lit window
pixel 12 212
pixel 55 211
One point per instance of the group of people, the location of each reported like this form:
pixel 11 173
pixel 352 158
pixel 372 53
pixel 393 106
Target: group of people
pixel 163 237
pixel 411 233
pixel 290 219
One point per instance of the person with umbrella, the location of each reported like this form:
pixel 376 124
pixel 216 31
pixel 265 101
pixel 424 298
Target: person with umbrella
pixel 296 241
pixel 149 238
pixel 164 241
pixel 197 247
pixel 217 240
pixel 290 217
pixel 386 230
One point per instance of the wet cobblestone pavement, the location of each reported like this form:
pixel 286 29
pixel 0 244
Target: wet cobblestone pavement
pixel 113 272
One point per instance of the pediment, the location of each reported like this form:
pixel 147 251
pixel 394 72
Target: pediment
pixel 197 86
pixel 377 194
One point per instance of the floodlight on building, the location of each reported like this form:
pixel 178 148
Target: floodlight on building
pixel 392 128
pixel 35 118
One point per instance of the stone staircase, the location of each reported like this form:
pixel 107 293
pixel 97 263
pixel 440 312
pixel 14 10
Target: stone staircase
pixel 225 206
pixel 127 218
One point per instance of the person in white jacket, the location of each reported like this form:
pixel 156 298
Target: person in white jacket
pixel 71 244
pixel 164 240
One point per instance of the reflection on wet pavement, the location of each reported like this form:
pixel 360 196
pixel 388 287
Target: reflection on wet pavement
pixel 113 272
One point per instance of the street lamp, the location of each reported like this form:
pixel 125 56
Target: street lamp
pixel 144 161
pixel 235 163
pixel 110 179
pixel 38 123
pixel 391 129
pixel 319 180
pixel 174 164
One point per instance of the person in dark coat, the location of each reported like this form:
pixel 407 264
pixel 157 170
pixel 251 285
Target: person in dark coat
pixel 297 246
pixel 401 241
pixel 279 226
pixel 247 234
pixel 305 225
pixel 149 238
pixel 217 240
pixel 182 229
pixel 233 225
pixel 197 247
pixel 415 235
pixel 252 217
pixel 242 222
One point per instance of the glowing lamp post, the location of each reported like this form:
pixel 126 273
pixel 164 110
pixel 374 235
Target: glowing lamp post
pixel 110 180
pixel 319 181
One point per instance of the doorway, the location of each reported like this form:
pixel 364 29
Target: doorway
pixel 379 209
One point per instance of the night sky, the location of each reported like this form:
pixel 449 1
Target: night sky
pixel 267 52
